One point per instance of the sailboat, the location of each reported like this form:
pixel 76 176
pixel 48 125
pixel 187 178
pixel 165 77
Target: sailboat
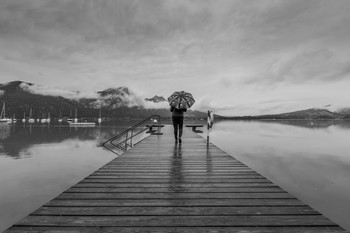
pixel 31 119
pixel 3 119
pixel 24 117
pixel 14 119
pixel 70 120
pixel 43 120
pixel 99 120
pixel 38 119
pixel 48 120
pixel 60 117
pixel 75 123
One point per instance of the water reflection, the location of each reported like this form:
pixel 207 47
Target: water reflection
pixel 209 161
pixel 16 140
pixel 176 172
pixel 311 161
pixel 48 160
pixel 316 124
pixel 4 131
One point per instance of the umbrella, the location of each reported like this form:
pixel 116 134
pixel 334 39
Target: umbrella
pixel 181 99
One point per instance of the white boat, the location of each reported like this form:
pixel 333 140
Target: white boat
pixel 14 120
pixel 48 120
pixel 3 118
pixel 31 119
pixel 76 123
pixel 82 124
pixel 24 117
pixel 99 120
pixel 60 118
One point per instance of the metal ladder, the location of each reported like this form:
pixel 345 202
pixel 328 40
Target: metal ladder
pixel 124 141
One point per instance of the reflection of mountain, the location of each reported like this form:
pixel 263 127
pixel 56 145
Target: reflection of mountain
pixel 313 123
pixel 344 124
pixel 22 138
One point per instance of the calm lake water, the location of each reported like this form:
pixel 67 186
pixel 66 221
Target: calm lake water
pixel 37 163
pixel 310 160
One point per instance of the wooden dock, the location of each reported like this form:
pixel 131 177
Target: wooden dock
pixel 159 186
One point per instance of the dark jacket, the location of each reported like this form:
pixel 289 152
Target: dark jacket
pixel 177 112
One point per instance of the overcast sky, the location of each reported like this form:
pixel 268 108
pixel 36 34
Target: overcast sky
pixel 235 57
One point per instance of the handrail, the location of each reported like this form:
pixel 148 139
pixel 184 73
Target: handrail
pixel 129 134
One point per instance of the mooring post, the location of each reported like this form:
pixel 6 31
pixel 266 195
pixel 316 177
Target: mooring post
pixel 208 127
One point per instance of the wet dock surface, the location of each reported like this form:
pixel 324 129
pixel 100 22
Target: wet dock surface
pixel 163 186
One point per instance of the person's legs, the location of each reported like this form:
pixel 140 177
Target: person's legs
pixel 181 123
pixel 176 126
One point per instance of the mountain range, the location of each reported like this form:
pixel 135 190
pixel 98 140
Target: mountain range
pixel 306 114
pixel 21 96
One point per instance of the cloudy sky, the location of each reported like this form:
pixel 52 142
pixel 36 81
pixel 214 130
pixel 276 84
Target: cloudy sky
pixel 236 57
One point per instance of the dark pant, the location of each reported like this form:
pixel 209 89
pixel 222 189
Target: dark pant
pixel 178 122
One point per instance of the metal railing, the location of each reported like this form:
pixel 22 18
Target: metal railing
pixel 124 141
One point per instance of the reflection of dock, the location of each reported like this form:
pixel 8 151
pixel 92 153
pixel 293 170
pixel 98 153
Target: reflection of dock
pixel 82 124
pixel 5 130
pixel 160 186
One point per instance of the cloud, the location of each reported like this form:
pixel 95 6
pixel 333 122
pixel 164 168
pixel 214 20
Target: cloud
pixel 53 91
pixel 208 102
pixel 158 45
pixel 152 105
pixel 317 65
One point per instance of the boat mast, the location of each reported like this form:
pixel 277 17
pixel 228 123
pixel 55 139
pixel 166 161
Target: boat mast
pixel 3 111
pixel 100 116
pixel 2 115
pixel 76 116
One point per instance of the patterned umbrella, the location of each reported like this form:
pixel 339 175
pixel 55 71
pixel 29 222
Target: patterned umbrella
pixel 181 99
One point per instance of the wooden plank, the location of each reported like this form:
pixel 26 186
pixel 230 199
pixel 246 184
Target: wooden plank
pixel 173 211
pixel 179 221
pixel 193 180
pixel 169 189
pixel 179 195
pixel 175 202
pixel 133 229
pixel 174 175
pixel 161 173
pixel 182 185
pixel 208 170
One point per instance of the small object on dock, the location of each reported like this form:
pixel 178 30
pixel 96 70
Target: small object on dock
pixel 154 131
pixel 82 124
pixel 194 127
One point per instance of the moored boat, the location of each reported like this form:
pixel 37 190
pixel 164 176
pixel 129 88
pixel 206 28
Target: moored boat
pixel 76 123
pixel 3 118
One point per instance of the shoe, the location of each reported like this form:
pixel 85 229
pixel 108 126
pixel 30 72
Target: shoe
pixel 180 141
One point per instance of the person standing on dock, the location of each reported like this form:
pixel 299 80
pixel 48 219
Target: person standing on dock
pixel 178 121
pixel 179 102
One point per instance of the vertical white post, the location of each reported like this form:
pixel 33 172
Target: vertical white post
pixel 208 127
